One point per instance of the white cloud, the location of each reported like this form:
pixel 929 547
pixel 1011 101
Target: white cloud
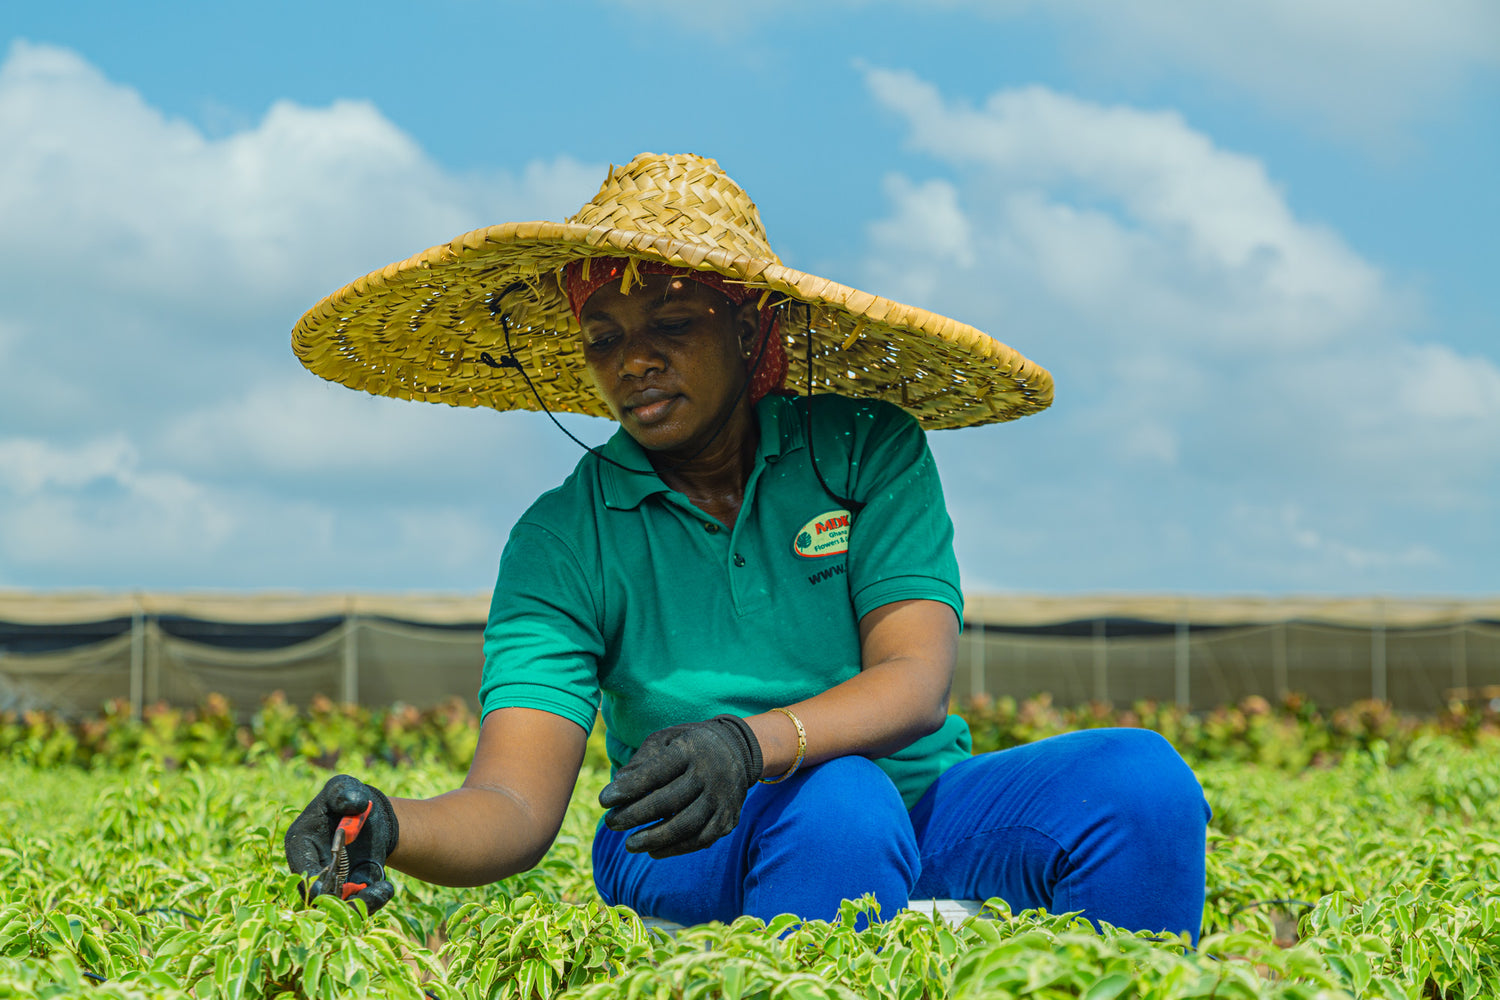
pixel 1361 68
pixel 302 424
pixel 1418 422
pixel 28 466
pixel 1462 392
pixel 1097 193
pixel 1213 351
pixel 929 222
pixel 150 268
pixel 302 430
pixel 304 200
pixel 1150 440
pixel 152 273
pixel 1275 530
pixel 99 514
pixel 77 506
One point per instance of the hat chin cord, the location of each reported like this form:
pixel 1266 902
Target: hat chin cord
pixel 509 360
pixel 848 503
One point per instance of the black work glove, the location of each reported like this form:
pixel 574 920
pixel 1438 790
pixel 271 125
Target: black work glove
pixel 690 781
pixel 309 840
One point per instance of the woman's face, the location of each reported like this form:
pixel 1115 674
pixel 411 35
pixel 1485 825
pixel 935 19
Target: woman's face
pixel 667 359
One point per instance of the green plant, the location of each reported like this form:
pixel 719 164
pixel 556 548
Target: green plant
pixel 1366 874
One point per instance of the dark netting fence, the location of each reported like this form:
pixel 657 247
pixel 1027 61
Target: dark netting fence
pixel 71 653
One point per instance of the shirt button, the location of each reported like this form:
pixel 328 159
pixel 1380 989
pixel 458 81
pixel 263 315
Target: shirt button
pixel 772 459
pixel 711 527
pixel 739 560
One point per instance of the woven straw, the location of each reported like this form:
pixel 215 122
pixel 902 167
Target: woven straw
pixel 416 329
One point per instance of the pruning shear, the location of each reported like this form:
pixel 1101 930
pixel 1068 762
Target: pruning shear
pixel 348 830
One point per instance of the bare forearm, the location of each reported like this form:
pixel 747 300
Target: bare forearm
pixel 873 714
pixel 470 836
pixel 508 811
pixel 899 696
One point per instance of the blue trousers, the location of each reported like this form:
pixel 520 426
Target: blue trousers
pixel 1108 821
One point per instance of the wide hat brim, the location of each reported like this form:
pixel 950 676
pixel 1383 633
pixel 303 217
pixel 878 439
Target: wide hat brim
pixel 417 329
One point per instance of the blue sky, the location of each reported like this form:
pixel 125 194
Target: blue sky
pixel 1254 242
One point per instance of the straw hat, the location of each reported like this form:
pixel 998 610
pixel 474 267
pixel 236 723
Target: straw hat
pixel 416 329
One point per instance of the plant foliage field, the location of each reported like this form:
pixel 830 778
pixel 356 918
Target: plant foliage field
pixel 1356 858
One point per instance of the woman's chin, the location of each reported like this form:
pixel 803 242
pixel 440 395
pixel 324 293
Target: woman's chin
pixel 673 427
pixel 658 435
pixel 664 444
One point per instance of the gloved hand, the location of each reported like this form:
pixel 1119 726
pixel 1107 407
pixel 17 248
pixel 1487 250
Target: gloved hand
pixel 309 840
pixel 689 780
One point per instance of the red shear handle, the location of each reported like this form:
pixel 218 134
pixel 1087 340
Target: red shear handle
pixel 350 888
pixel 351 825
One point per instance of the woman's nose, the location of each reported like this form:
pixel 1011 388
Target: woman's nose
pixel 639 358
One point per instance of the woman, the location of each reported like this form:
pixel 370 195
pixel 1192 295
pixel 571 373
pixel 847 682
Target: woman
pixel 756 586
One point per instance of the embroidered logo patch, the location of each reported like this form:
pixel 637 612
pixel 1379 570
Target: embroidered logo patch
pixel 825 535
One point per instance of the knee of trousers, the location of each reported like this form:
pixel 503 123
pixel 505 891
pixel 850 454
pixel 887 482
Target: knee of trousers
pixel 1153 791
pixel 844 812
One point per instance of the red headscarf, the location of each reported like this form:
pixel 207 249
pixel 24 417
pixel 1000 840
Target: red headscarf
pixel 771 371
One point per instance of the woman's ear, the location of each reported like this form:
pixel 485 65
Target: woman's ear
pixel 747 323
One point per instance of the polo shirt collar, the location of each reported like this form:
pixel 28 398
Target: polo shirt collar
pixel 780 433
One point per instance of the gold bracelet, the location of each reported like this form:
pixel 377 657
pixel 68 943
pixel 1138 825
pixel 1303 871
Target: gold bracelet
pixel 801 748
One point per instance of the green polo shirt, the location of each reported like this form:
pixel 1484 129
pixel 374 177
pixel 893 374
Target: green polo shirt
pixel 616 593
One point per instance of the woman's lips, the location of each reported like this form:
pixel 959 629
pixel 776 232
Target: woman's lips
pixel 650 413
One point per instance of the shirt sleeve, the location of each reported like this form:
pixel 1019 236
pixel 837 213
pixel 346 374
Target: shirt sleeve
pixel 542 643
pixel 901 542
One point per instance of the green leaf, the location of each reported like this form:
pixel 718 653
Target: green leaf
pixel 734 980
pixel 312 975
pixel 1108 988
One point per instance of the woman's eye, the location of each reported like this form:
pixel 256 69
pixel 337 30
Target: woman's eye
pixel 673 325
pixel 600 344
